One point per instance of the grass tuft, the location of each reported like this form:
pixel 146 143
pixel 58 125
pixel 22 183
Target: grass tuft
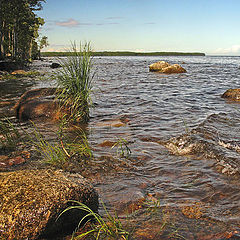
pixel 122 148
pixel 61 151
pixel 75 82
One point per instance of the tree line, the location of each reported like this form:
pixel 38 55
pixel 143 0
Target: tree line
pixel 19 25
pixel 122 53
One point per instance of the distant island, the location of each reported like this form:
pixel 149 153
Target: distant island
pixel 124 53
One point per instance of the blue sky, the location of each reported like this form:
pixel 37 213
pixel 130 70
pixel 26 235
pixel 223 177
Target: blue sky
pixel 210 26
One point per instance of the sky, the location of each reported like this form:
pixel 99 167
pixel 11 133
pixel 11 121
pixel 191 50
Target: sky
pixel 209 26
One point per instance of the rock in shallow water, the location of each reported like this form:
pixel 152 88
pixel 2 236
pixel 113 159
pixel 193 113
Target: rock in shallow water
pixel 232 94
pixel 164 67
pixel 31 201
pixel 55 65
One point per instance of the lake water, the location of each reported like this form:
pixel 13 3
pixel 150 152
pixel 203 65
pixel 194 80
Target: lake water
pixel 184 138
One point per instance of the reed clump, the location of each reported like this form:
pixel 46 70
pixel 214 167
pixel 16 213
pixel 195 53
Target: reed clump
pixel 75 82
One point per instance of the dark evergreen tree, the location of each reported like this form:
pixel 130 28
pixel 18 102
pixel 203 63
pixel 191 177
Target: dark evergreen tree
pixel 19 27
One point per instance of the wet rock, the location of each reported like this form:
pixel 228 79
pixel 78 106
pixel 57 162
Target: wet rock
pixel 164 67
pixel 55 65
pixel 38 109
pixel 232 94
pixel 31 201
pixel 38 104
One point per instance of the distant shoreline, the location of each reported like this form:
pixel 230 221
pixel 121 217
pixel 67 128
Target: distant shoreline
pixel 122 53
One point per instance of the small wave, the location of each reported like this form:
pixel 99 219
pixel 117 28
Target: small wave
pixel 215 138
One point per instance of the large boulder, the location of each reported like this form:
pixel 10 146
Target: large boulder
pixel 164 67
pixel 31 201
pixel 232 94
pixel 38 104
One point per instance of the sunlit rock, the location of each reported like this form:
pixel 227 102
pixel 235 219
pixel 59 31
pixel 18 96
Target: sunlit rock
pixel 232 94
pixel 164 67
pixel 19 72
pixel 158 66
pixel 31 201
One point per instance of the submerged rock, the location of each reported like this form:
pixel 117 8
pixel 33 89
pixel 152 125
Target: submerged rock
pixel 164 67
pixel 38 104
pixel 112 123
pixel 31 201
pixel 232 94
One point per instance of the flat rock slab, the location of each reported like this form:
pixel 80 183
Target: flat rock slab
pixel 31 201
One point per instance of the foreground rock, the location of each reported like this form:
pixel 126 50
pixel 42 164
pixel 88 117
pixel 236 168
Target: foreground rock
pixel 164 67
pixel 232 94
pixel 38 104
pixel 31 200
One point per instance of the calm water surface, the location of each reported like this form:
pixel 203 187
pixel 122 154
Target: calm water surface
pixel 184 137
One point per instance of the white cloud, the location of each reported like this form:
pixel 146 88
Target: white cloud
pixel 110 18
pixel 150 23
pixel 70 23
pixel 235 49
pixel 74 23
